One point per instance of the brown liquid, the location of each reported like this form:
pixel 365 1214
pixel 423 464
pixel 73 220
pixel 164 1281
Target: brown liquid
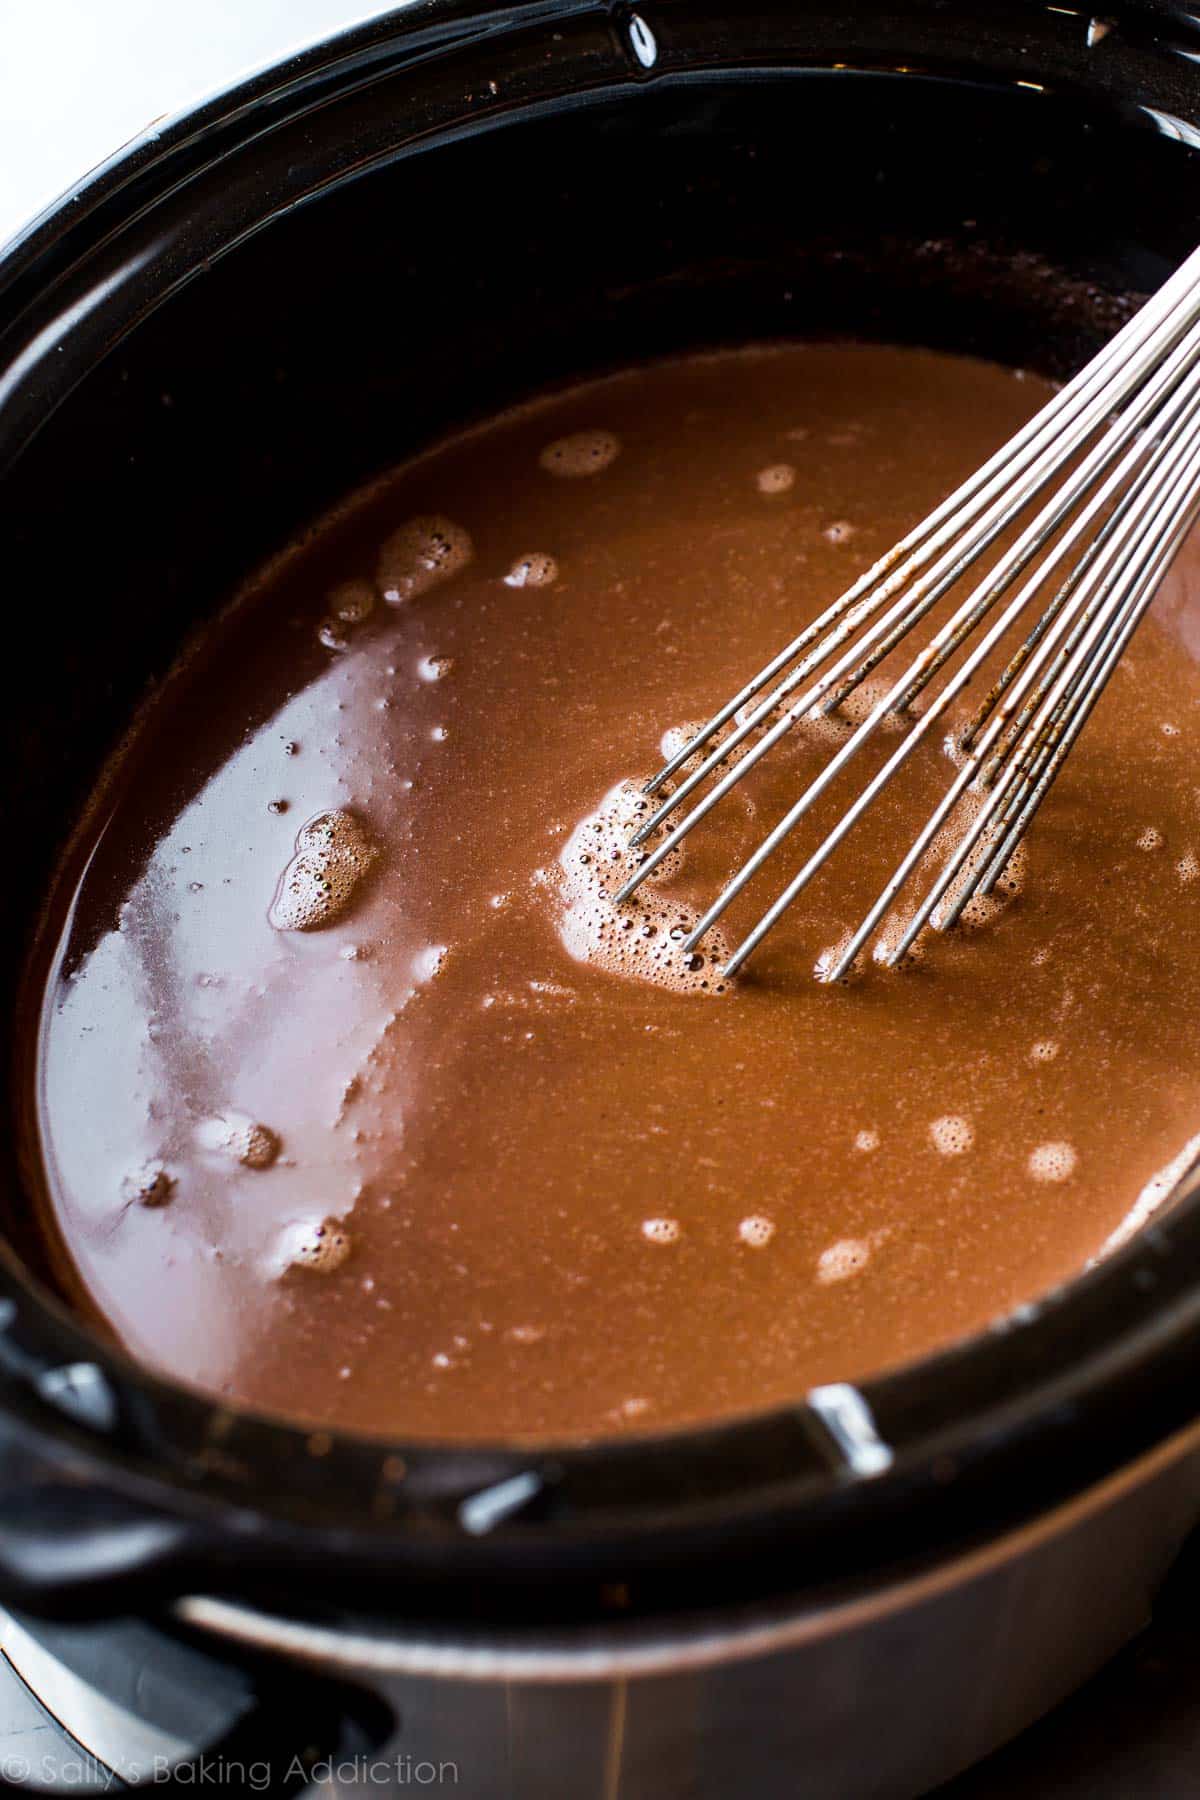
pixel 559 1200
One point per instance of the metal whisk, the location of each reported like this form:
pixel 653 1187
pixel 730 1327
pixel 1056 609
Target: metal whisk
pixel 1119 449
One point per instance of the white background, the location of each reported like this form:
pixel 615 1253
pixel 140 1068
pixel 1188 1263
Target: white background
pixel 78 78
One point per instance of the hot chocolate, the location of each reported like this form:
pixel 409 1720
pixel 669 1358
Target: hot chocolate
pixel 362 1102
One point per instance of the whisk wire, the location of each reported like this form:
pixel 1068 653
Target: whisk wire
pixel 1132 594
pixel 1126 432
pixel 1018 557
pixel 1144 337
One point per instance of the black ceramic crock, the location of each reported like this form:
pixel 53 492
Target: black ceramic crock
pixel 409 226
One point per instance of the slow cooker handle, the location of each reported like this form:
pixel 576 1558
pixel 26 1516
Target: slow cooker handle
pixel 285 1722
pixel 74 1551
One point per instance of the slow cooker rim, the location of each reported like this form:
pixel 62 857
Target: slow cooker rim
pixel 133 1418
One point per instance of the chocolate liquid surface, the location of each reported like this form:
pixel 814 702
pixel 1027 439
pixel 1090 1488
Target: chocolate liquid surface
pixel 361 1104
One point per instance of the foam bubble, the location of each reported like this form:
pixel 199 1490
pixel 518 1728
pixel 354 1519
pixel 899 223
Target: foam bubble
pixel 429 962
pixel 833 727
pixel 434 668
pixel 525 1334
pixel 582 453
pixel 333 853
pixel 890 932
pixel 660 1231
pixel 756 1230
pixel 829 958
pixel 1052 1161
pixel 952 1134
pixel 642 939
pixel 745 713
pixel 333 635
pixel 1044 1051
pixel 320 1245
pixel 866 1141
pixel 426 550
pixel 849 1256
pixel 150 1185
pixel 861 702
pixel 1151 839
pixel 533 570
pixel 553 990
pixel 1188 867
pixel 240 1137
pixel 1169 730
pixel 776 478
pixel 676 736
pixel 1011 879
pixel 840 532
pixel 980 910
pixel 351 602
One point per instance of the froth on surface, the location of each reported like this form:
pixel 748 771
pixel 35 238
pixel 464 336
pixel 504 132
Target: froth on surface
pixel 150 1185
pixel 849 1256
pixel 978 912
pixel 424 551
pixel 981 909
pixel 862 700
pixel 533 570
pixel 598 1102
pixel 333 634
pixel 244 1140
pixel 660 1231
pixel 776 478
pixel 334 852
pixel 832 955
pixel 1053 1161
pixel 351 602
pixel 836 726
pixel 676 737
pixel 429 962
pixel 321 1246
pixel 952 1134
pixel 642 939
pixel 581 453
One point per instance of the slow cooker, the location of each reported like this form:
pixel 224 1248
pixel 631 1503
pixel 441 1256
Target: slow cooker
pixel 250 310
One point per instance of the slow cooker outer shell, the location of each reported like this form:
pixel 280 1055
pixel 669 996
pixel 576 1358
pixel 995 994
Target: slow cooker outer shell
pixel 268 300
